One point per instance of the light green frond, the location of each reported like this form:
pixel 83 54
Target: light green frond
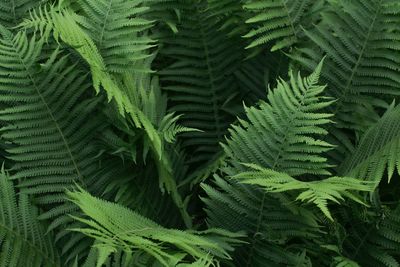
pixel 360 40
pixel 334 189
pixel 115 226
pixel 283 134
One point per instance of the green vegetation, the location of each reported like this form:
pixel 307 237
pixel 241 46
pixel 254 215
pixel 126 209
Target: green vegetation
pixel 248 133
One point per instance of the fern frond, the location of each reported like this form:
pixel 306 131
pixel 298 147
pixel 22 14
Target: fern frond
pixel 23 238
pixel 282 134
pixel 118 29
pixel 278 22
pixel 375 242
pixel 360 40
pixel 115 226
pixel 333 189
pixel 378 151
pixel 12 12
pixel 268 223
pixel 200 79
pixel 50 124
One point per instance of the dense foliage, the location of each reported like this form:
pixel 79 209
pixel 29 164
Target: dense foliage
pixel 199 133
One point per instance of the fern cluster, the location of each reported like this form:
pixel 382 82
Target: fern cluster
pixel 199 133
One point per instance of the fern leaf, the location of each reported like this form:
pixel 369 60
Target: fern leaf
pixel 200 78
pixel 24 241
pixel 360 40
pixel 278 22
pixel 281 135
pixel 378 150
pixel 333 189
pixel 115 226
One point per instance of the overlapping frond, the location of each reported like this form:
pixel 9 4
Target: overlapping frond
pixel 361 42
pixel 115 226
pixel 378 151
pixel 278 22
pixel 200 81
pixel 333 189
pixel 283 134
pixel 268 223
pixel 49 123
pixel 23 238
pixel 13 11
pixel 375 242
pixel 118 29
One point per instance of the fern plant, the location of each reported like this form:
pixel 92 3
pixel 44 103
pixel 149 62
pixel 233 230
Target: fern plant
pixel 181 133
pixel 21 231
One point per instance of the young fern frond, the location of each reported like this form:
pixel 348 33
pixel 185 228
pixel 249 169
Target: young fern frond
pixel 333 189
pixel 115 226
pixel 23 238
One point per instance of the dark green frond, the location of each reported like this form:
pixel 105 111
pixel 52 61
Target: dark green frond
pixel 374 243
pixel 278 22
pixel 50 123
pixel 268 223
pixel 378 151
pixel 23 238
pixel 12 12
pixel 200 81
pixel 361 42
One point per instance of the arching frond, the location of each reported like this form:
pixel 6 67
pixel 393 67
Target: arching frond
pixel 115 226
pixel 333 189
pixel 23 238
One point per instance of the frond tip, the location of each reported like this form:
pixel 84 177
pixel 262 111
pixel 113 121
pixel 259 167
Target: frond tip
pixel 284 134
